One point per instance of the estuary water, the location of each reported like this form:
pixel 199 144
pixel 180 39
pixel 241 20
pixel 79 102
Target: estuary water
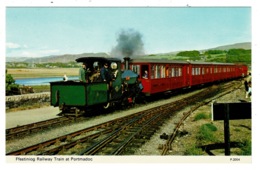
pixel 41 81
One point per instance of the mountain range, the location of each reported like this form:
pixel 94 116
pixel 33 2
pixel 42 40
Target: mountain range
pixel 71 57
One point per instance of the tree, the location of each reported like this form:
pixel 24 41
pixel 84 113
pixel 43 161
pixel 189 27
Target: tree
pixel 239 56
pixel 10 87
pixel 192 55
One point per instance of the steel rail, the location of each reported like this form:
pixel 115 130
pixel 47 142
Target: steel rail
pixel 167 146
pixel 166 108
pixel 20 131
pixel 24 151
pixel 97 146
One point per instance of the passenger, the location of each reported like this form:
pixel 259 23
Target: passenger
pixel 95 77
pixel 106 76
pixel 84 73
pixel 248 86
pixel 249 78
pixel 249 92
pixel 145 76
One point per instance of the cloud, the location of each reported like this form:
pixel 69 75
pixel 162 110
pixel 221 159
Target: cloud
pixel 18 50
pixel 12 45
pixel 38 53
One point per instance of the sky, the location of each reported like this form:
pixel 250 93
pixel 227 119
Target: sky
pixel 45 31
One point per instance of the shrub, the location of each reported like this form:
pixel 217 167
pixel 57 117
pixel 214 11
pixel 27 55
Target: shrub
pixel 193 150
pixel 10 87
pixel 206 133
pixel 246 148
pixel 201 116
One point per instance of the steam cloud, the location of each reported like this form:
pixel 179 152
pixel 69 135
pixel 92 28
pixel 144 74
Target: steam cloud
pixel 129 44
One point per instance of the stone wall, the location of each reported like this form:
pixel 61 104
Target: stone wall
pixel 27 99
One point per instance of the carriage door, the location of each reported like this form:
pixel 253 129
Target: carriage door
pixel 184 75
pixel 187 75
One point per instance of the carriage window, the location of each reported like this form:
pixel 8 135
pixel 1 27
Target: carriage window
pixel 202 71
pixel 162 71
pixel 157 71
pixel 196 71
pixel 173 72
pixel 152 71
pixel 180 72
pixel 177 72
pixel 215 70
pixel 136 69
pixel 167 72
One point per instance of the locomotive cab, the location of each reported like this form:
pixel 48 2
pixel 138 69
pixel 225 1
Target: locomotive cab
pixel 73 96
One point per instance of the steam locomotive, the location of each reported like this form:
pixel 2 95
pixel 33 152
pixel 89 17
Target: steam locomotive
pixel 76 97
pixel 128 84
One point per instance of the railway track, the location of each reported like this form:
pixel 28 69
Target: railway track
pixel 28 129
pixel 115 137
pixel 228 88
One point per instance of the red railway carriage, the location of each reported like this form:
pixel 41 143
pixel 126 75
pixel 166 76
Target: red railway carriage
pixel 205 72
pixel 241 70
pixel 163 75
pixel 168 75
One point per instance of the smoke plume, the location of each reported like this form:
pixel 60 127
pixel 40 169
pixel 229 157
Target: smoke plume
pixel 129 44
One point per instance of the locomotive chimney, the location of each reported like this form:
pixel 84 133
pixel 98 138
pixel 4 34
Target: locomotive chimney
pixel 127 59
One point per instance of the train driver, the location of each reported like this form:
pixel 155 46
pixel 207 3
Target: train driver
pixel 104 72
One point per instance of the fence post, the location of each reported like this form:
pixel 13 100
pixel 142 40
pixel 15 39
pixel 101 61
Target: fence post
pixel 226 130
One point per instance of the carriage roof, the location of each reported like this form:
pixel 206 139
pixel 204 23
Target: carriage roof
pixel 153 61
pixel 163 61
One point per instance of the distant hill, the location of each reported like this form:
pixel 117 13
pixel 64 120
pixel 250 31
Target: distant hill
pixel 71 57
pixel 245 45
pixel 55 58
